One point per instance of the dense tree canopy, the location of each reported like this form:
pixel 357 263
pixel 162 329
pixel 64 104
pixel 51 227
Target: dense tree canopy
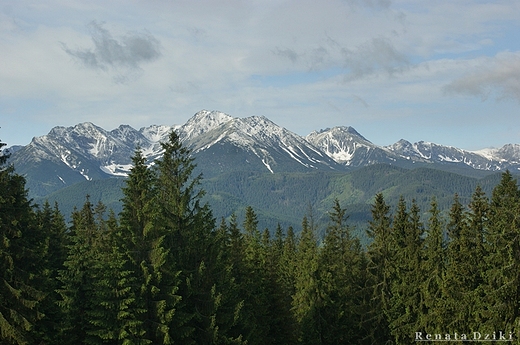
pixel 163 272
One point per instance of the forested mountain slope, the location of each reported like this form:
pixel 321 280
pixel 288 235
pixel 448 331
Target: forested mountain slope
pixel 286 197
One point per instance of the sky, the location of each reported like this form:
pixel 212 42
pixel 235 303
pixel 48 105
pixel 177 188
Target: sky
pixel 443 71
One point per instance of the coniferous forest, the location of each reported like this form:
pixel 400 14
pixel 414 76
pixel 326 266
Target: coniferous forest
pixel 164 271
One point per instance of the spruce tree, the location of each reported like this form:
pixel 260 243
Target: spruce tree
pixel 237 248
pixel 284 321
pixel 78 277
pixel 51 224
pixel 246 324
pixel 503 259
pixel 229 300
pixel 456 253
pixel 94 291
pixel 256 282
pixel 153 285
pixel 473 238
pixel 112 299
pixel 286 276
pixel 406 301
pixel 434 271
pixel 277 244
pixel 380 253
pixel 307 300
pixel 341 280
pixel 464 265
pixel 188 227
pixel 20 266
pixel 287 261
pixel 280 323
pixel 252 235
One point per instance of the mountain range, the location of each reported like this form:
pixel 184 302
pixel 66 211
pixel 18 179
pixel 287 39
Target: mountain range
pixel 222 143
pixel 254 162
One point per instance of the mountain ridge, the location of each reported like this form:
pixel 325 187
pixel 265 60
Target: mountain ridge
pixel 222 143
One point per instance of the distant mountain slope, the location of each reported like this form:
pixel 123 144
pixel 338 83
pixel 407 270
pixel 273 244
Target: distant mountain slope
pixel 430 152
pixel 285 197
pixel 347 147
pixel 68 155
pixel 256 144
pixel 223 144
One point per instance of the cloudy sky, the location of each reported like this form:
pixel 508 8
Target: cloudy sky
pixel 446 71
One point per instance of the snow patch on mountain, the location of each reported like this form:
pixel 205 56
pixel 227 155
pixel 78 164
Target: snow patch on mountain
pixel 116 169
pixel 267 165
pixel 449 159
pixel 84 173
pixel 293 155
pixel 488 153
pixel 157 133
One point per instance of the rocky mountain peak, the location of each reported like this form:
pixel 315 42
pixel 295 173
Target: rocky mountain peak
pixel 203 122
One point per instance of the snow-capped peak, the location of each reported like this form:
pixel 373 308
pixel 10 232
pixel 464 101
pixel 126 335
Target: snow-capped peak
pixel 489 153
pixel 340 143
pixel 157 133
pixel 202 122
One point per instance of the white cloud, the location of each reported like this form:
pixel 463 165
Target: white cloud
pixel 377 54
pixel 498 76
pixel 125 55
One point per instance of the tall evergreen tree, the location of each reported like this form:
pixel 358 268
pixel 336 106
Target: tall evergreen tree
pixel 112 297
pixel 434 270
pixel 155 284
pixel 284 289
pixel 51 224
pixel 341 279
pixel 20 265
pixel 246 324
pixel 456 253
pixel 406 301
pixel 237 249
pixel 280 323
pixel 94 296
pixel 278 243
pixel 230 299
pixel 473 240
pixel 188 226
pixel 286 276
pixel 252 238
pixel 503 259
pixel 78 276
pixel 464 265
pixel 307 300
pixel 380 254
pixel 287 261
pixel 256 280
